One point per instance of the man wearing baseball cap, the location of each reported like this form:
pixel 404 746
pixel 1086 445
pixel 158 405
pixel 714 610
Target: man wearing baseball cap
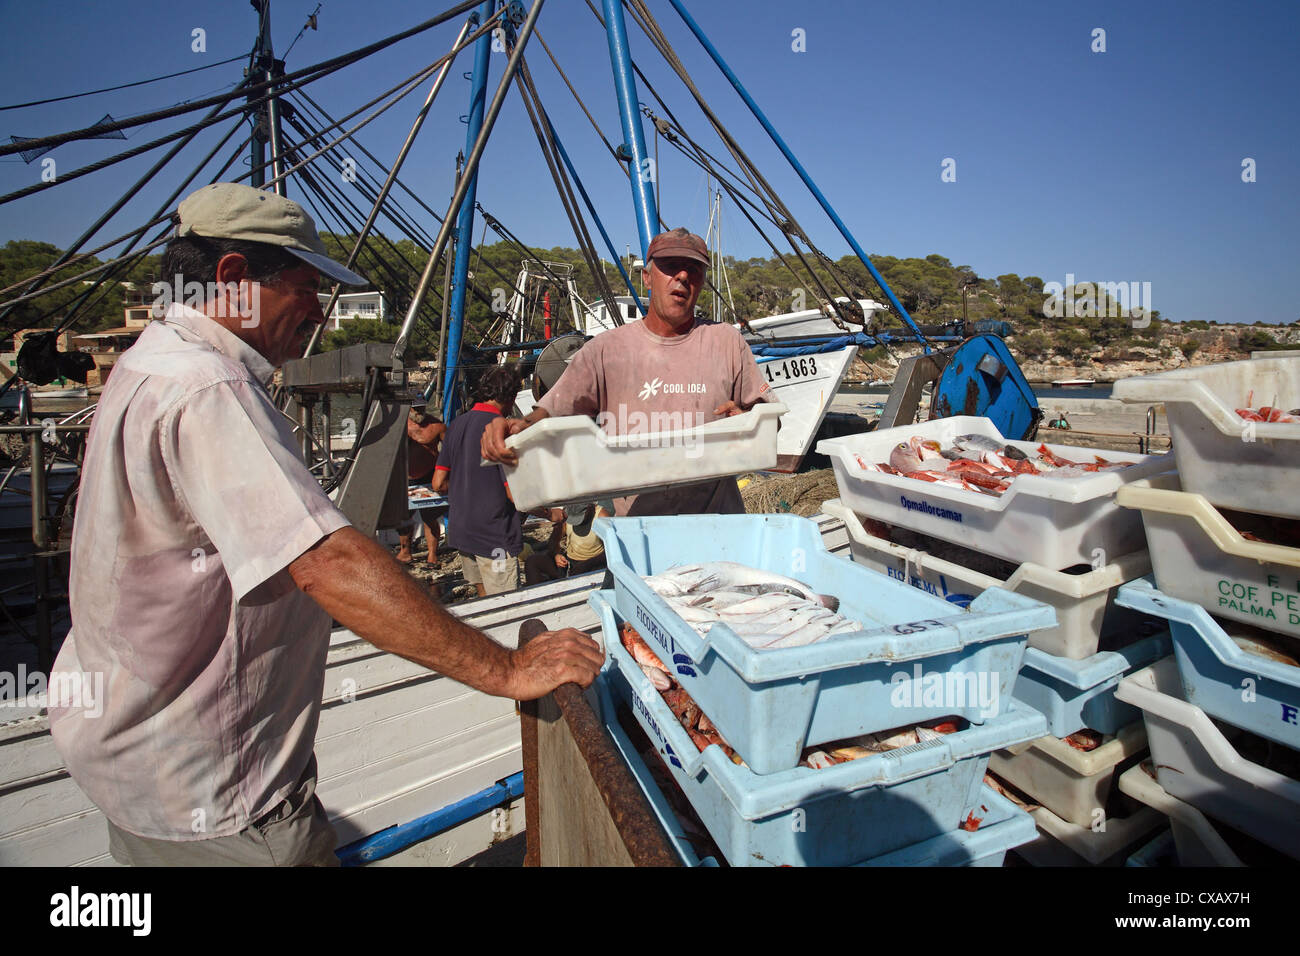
pixel 670 371
pixel 207 563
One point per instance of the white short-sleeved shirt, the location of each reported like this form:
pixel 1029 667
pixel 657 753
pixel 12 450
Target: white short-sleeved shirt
pixel 193 503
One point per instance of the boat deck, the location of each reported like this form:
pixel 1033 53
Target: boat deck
pixel 396 741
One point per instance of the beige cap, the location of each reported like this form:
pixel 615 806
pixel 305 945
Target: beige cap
pixel 233 211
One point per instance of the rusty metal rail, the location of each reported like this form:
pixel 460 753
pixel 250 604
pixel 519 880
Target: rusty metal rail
pixel 582 805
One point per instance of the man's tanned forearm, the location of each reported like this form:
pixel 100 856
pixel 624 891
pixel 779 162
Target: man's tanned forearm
pixel 356 581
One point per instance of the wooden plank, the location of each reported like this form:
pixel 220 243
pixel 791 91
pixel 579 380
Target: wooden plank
pixel 576 829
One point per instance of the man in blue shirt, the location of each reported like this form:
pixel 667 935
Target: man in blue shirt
pixel 482 523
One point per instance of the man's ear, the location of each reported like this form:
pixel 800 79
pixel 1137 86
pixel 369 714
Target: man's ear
pixel 232 267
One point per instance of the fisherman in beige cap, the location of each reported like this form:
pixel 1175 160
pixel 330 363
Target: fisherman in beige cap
pixel 207 563
pixel 670 371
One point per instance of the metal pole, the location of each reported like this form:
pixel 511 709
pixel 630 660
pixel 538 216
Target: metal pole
pixel 326 423
pixel 261 60
pixel 273 125
pixel 620 57
pixel 464 239
pixel 396 168
pixel 471 166
pixel 785 150
pixel 435 383
pixel 305 403
pixel 41 545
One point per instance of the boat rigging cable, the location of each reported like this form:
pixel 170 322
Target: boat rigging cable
pixel 787 222
pixel 188 136
pixel 794 163
pixel 548 143
pixel 124 86
pixel 127 262
pixel 133 236
pixel 710 164
pixel 622 163
pixel 122 201
pixel 462 188
pixel 405 224
pixel 286 82
pixel 415 80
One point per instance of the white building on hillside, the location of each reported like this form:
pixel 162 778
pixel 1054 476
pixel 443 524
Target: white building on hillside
pixel 355 305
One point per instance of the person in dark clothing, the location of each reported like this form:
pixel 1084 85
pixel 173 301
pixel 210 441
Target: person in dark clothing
pixel 574 548
pixel 482 523
pixel 424 436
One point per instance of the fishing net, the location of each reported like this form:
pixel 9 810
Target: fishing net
pixel 801 494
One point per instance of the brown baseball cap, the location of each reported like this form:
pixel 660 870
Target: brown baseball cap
pixel 234 211
pixel 681 243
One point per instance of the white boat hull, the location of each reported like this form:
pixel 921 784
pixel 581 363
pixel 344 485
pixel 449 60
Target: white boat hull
pixel 807 385
pixel 809 322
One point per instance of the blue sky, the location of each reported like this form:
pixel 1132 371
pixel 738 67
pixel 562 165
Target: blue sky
pixel 1115 166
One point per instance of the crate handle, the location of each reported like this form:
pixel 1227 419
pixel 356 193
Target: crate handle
pixel 683 749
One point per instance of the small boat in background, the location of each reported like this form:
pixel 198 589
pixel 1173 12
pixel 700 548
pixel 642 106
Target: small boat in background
pixel 1074 383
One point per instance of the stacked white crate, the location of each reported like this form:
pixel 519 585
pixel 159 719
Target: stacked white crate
pixel 1200 705
pixel 1048 525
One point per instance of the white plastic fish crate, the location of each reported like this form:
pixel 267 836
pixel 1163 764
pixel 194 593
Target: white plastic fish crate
pixel 1084 603
pixel 1196 763
pixel 1198 556
pixel 1215 671
pixel 1052 522
pixel 1070 783
pixel 1249 466
pixel 1196 841
pixel 839 816
pixel 1003 826
pixel 570 459
pixel 1061 843
pixel 918 657
pixel 1073 695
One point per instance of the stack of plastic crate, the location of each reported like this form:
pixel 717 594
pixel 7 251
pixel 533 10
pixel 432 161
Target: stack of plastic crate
pixel 1223 714
pixel 1065 542
pixel 916 659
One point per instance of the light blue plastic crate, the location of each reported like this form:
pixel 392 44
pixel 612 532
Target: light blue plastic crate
pixel 1160 852
pixel 1239 688
pixel 918 657
pixel 599 695
pixel 1004 826
pixel 801 817
pixel 1073 695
